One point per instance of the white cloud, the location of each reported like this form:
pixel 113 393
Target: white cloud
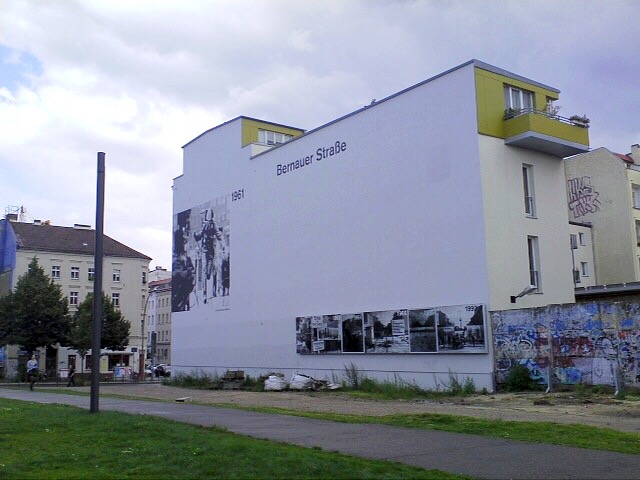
pixel 140 79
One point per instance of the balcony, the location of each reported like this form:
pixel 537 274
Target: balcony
pixel 547 133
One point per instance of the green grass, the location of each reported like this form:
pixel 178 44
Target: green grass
pixel 62 442
pixel 571 435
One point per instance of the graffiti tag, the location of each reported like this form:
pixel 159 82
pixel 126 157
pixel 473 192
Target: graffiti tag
pixel 583 198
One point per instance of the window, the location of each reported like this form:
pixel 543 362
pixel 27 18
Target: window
pixel 142 304
pixel 119 360
pixel 635 189
pixel 582 239
pixel 73 298
pixel 55 271
pixel 517 99
pixel 144 278
pixel 91 274
pixel 584 269
pixel 115 299
pixel 116 275
pixel 272 138
pixel 534 261
pixel 75 273
pixel 529 196
pixel 638 232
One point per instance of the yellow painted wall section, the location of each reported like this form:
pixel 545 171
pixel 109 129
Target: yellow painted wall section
pixel 251 127
pixel 490 100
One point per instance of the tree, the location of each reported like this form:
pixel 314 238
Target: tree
pixel 35 313
pixel 114 331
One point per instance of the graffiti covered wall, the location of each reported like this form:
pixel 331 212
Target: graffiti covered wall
pixel 582 343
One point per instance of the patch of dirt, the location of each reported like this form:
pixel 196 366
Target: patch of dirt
pixel 600 411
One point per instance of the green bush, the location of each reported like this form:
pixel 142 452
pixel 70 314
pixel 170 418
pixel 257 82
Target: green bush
pixel 519 379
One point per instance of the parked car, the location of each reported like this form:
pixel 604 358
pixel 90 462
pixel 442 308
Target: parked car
pixel 160 370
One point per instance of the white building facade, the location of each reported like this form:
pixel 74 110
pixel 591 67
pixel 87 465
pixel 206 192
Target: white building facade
pixel 381 240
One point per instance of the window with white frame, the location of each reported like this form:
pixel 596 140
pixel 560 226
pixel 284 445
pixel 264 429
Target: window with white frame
pixel 144 278
pixel 272 138
pixel 534 261
pixel 517 98
pixel 529 194
pixel 581 239
pixel 55 271
pixel 584 269
pixel 91 274
pixel 73 298
pixel 75 273
pixel 115 299
pixel 116 275
pixel 635 190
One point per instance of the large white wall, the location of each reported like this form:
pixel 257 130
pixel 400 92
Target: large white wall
pixel 393 221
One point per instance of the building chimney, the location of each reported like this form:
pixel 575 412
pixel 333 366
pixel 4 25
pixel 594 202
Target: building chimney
pixel 37 222
pixel 12 217
pixel 635 153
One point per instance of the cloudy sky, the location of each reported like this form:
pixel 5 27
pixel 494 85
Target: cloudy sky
pixel 139 79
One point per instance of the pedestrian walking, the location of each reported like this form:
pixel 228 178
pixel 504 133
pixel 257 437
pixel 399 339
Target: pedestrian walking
pixel 72 380
pixel 32 371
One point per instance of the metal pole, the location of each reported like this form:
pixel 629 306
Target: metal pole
pixel 96 325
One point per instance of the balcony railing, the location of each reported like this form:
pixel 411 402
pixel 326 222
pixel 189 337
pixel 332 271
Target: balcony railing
pixel 546 132
pixel 573 120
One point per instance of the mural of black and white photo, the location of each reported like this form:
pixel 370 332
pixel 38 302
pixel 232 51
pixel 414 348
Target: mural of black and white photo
pixel 200 265
pixel 352 333
pixel 451 329
pixel 387 332
pixel 461 329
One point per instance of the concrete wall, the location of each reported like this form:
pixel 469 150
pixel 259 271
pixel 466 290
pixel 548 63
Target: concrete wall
pixel 584 343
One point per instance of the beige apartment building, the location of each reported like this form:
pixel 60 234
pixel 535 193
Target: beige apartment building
pixel 603 190
pixel 67 255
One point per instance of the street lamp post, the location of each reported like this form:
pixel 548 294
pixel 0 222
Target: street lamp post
pixel 142 324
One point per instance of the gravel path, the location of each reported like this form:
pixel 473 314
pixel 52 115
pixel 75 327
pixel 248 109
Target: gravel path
pixel 600 411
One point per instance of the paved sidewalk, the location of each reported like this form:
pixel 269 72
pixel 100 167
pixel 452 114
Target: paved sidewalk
pixel 476 456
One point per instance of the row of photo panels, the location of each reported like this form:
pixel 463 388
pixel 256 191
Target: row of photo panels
pixel 452 329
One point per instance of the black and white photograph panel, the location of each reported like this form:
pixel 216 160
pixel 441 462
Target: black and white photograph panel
pixel 387 331
pixel 352 333
pixel 182 268
pixel 422 330
pixel 325 333
pixel 461 329
pixel 303 335
pixel 202 255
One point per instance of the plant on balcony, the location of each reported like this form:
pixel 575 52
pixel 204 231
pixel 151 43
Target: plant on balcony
pixel 552 109
pixel 510 113
pixel 581 121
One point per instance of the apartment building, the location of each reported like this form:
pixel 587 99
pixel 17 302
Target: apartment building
pixel 603 190
pixel 382 239
pixel 159 322
pixel 67 255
